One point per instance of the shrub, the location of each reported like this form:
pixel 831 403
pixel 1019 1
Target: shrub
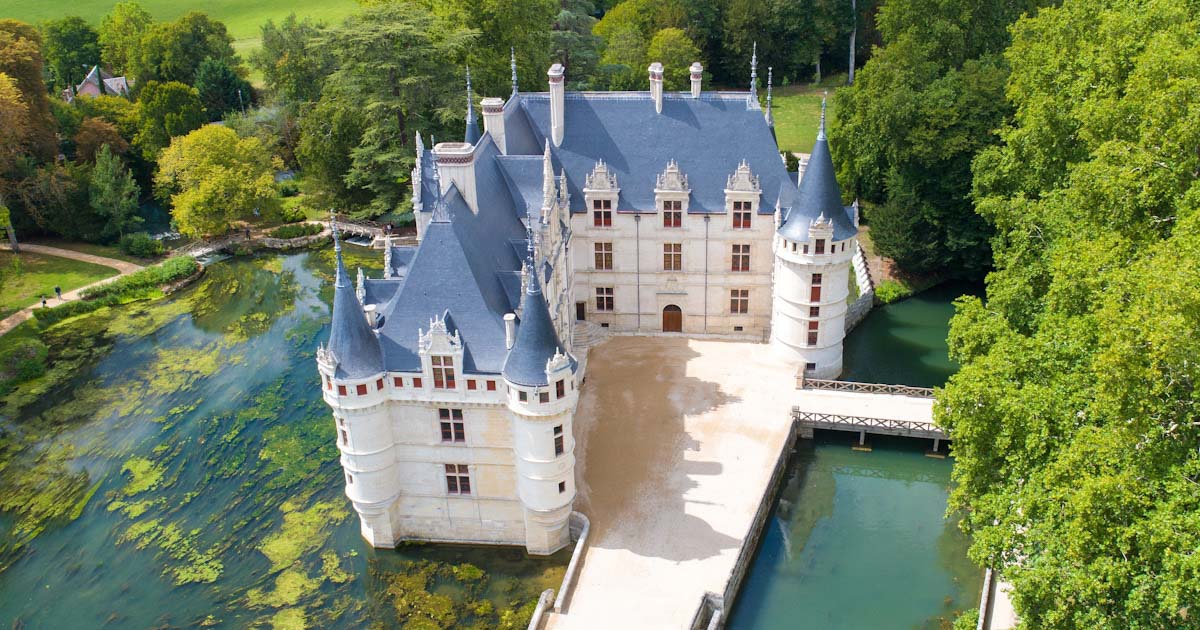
pixel 890 291
pixel 141 244
pixel 169 271
pixel 292 210
pixel 296 230
pixel 289 188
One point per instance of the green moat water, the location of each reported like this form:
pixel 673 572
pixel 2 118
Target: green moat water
pixel 178 469
pixel 858 541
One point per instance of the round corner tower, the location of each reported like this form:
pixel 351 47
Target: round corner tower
pixel 814 248
pixel 542 394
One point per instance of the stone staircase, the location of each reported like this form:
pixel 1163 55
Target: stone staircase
pixel 587 334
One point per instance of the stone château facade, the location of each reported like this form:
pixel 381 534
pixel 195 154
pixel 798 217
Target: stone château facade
pixel 454 377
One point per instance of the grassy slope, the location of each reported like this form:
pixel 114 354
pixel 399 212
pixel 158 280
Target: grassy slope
pixel 797 111
pixel 242 17
pixel 39 274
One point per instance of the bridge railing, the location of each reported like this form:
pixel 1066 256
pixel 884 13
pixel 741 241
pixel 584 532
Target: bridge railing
pixel 838 422
pixel 803 382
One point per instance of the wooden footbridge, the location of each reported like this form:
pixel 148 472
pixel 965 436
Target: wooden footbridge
pixel 865 408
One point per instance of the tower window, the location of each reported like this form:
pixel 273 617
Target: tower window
pixel 341 390
pixel 471 384
pixel 820 246
pixel 562 487
pixel 672 214
pixel 417 381
pixel 397 381
pixel 379 384
pixel 491 386
pixel 458 479
pixel 672 256
pixel 558 441
pixel 814 311
pixel 604 256
pixel 349 479
pixel 816 279
pixel 453 428
pixel 602 212
pixel 345 437
pixel 522 396
pixel 741 258
pixel 443 372
pixel 604 299
pixel 741 215
pixel 739 301
pixel 812 338
pixel 361 388
pixel 559 389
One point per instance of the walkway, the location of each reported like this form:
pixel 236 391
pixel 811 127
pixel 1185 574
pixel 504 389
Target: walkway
pixel 126 268
pixel 887 414
pixel 676 442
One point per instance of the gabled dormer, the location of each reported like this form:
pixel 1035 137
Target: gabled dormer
pixel 441 352
pixel 671 195
pixel 600 193
pixel 743 193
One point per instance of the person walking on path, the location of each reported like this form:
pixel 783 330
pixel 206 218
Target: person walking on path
pixel 58 292
pixel 43 300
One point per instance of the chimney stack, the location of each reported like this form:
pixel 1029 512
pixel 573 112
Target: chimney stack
pixel 656 85
pixel 697 78
pixel 510 330
pixel 493 121
pixel 557 87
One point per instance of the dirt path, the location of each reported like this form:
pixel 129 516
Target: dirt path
pixel 125 268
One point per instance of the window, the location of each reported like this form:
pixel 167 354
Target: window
pixel 820 246
pixel 341 390
pixel 558 440
pixel 349 479
pixel 739 301
pixel 453 429
pixel 522 396
pixel 443 372
pixel 741 258
pixel 361 388
pixel 812 338
pixel 543 397
pixel 805 250
pixel 738 328
pixel 397 381
pixel 672 214
pixel 793 248
pixel 416 381
pixel 741 215
pixel 810 366
pixel 814 311
pixel 604 299
pixel 562 487
pixel 491 386
pixel 379 384
pixel 345 437
pixel 458 480
pixel 602 212
pixel 813 325
pixel 604 256
pixel 471 383
pixel 672 256
pixel 559 389
pixel 328 383
pixel 816 279
pixel 815 295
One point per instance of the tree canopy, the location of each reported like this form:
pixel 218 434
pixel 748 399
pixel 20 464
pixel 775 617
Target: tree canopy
pixel 220 89
pixel 173 51
pixel 1075 413
pixel 114 195
pixel 213 178
pixel 120 35
pixel 292 68
pixel 71 48
pixel 166 110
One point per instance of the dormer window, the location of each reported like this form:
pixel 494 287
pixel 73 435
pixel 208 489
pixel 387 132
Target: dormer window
pixel 672 214
pixel 602 212
pixel 741 215
pixel 820 246
pixel 443 372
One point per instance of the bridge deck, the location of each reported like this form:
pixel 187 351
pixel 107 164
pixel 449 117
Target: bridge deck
pixel 873 413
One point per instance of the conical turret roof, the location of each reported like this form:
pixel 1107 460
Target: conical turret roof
pixel 351 339
pixel 537 341
pixel 819 196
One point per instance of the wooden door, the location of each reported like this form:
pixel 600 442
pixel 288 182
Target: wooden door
pixel 672 319
pixel 581 311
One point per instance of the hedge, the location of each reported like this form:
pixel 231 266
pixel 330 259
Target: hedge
pixel 127 288
pixel 296 230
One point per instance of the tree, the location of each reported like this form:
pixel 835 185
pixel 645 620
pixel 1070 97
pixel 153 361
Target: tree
pixel 221 90
pixel 95 134
pixel 293 69
pixel 672 47
pixel 121 33
pixel 329 132
pixel 71 46
pixel 21 60
pixel 1075 413
pixel 213 178
pixel 114 195
pixel 166 110
pixel 173 51
pixel 574 44
pixel 14 131
pixel 392 67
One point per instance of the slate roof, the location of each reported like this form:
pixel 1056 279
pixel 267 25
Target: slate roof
pixel 351 340
pixel 523 174
pixel 819 194
pixel 537 341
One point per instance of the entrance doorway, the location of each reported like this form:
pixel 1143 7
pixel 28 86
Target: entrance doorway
pixel 580 311
pixel 672 319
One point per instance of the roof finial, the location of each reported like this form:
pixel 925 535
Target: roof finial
pixel 513 52
pixel 339 273
pixel 821 131
pixel 754 74
pixel 770 78
pixel 471 134
pixel 470 101
pixel 337 242
pixel 440 212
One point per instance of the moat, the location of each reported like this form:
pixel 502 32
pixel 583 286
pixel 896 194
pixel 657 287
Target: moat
pixel 198 470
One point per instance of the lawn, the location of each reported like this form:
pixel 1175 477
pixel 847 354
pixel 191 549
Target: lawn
pixel 38 274
pixel 797 111
pixel 107 251
pixel 242 17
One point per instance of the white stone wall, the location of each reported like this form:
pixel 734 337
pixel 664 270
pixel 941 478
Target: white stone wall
pixel 793 303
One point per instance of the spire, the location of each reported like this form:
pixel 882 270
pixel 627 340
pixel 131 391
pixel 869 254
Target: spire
pixel 753 99
pixel 337 242
pixel 537 342
pixel 354 346
pixel 821 130
pixel 471 136
pixel 818 198
pixel 513 51
pixel 770 78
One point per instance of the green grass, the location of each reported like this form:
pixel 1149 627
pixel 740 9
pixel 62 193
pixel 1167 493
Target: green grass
pixel 242 17
pixel 107 251
pixel 797 111
pixel 38 274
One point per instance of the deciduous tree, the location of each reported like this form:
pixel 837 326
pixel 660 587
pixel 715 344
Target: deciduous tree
pixel 95 134
pixel 166 110
pixel 21 60
pixel 293 69
pixel 120 35
pixel 673 48
pixel 71 48
pixel 173 51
